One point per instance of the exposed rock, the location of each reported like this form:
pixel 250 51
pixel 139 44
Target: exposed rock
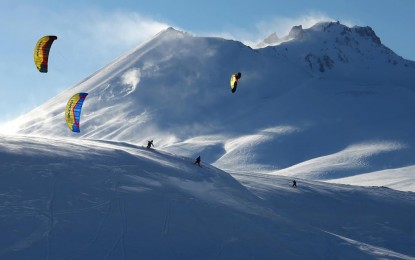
pixel 272 39
pixel 368 32
pixel 296 32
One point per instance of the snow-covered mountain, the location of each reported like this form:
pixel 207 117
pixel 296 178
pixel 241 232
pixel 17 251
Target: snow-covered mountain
pixel 84 199
pixel 330 103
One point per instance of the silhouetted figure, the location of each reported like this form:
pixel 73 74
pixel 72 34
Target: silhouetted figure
pixel 149 144
pixel 294 183
pixel 197 161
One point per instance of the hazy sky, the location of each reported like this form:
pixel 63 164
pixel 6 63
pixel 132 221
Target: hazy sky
pixel 93 33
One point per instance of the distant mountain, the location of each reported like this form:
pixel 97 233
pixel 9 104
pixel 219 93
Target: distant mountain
pixel 331 102
pixel 272 39
pixel 295 33
pixel 348 53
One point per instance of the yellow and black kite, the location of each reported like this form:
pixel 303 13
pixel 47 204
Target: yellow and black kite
pixel 41 53
pixel 234 81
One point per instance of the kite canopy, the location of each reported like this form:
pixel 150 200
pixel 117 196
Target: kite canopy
pixel 234 81
pixel 73 111
pixel 41 53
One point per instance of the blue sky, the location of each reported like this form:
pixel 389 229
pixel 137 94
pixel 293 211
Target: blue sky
pixel 93 33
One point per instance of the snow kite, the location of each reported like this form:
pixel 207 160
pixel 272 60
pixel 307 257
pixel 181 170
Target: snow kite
pixel 41 53
pixel 234 81
pixel 73 111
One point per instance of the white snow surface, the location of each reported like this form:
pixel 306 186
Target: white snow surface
pixel 91 199
pixel 330 107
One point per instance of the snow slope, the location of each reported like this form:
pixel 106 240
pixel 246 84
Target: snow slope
pixel 86 199
pixel 330 103
pixel 399 178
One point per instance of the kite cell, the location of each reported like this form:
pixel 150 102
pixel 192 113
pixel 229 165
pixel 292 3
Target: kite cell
pixel 73 111
pixel 41 53
pixel 234 81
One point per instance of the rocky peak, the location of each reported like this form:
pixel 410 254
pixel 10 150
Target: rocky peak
pixel 272 39
pixel 296 32
pixel 368 33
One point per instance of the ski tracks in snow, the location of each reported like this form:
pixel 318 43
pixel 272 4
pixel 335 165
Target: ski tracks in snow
pixel 122 216
pixel 121 238
pixel 115 210
pixel 380 252
pixel 51 216
pixel 166 221
pixel 98 231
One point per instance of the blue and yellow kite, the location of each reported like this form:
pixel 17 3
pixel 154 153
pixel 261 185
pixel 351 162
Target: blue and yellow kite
pixel 73 111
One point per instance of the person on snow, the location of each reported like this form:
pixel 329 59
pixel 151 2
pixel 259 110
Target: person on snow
pixel 197 161
pixel 294 183
pixel 149 144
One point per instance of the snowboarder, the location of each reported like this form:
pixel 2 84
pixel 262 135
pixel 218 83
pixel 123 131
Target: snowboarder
pixel 294 184
pixel 149 144
pixel 197 161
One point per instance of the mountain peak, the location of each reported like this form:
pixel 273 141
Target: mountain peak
pixel 296 32
pixel 368 32
pixel 326 46
pixel 170 32
pixel 338 28
pixel 272 39
pixel 334 29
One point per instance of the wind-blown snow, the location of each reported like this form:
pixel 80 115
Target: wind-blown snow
pixel 131 78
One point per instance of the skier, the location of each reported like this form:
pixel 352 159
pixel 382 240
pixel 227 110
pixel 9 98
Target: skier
pixel 294 184
pixel 149 144
pixel 197 161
